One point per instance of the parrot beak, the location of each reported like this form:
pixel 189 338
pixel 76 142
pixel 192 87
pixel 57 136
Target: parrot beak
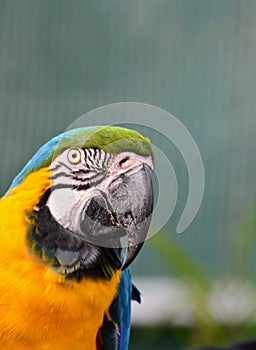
pixel 131 196
pixel 124 209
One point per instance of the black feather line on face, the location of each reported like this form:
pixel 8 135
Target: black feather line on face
pixel 61 174
pixel 101 174
pixel 65 252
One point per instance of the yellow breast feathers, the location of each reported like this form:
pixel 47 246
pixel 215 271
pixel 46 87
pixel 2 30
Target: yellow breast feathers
pixel 40 309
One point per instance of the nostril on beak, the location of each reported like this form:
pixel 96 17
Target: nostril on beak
pixel 123 161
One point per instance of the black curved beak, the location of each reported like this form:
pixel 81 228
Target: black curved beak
pixel 126 208
pixel 131 196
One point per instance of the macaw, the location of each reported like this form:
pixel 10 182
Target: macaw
pixel 64 277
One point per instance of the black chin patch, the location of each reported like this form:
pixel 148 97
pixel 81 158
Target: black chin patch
pixel 99 224
pixel 66 252
pixel 98 212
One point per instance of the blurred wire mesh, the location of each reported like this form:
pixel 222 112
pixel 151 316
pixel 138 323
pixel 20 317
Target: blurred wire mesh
pixel 196 59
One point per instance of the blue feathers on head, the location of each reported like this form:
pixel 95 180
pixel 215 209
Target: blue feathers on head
pixel 112 139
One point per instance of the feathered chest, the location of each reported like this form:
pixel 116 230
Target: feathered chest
pixel 39 308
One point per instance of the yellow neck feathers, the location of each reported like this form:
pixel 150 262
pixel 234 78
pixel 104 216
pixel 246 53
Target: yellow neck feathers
pixel 38 308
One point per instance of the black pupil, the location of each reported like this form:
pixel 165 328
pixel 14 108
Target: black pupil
pixel 74 155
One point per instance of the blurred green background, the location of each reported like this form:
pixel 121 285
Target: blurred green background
pixel 196 59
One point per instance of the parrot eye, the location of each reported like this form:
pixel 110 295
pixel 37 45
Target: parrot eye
pixel 74 156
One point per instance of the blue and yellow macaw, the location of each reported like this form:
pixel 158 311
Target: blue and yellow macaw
pixel 63 281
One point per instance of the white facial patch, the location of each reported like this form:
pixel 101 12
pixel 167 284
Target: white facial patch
pixel 77 175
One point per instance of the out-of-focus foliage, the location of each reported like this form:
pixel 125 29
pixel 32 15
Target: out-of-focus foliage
pixel 244 246
pixel 198 283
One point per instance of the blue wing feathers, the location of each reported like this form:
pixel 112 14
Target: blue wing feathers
pixel 120 313
pixel 120 310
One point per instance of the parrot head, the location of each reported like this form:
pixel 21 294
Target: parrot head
pixel 100 189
